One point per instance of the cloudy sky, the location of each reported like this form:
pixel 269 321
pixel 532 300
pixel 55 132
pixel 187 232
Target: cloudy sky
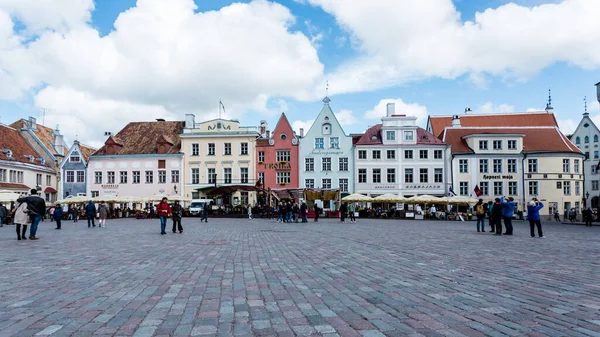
pixel 93 66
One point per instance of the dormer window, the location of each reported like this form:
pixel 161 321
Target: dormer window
pixel 326 128
pixel 75 158
pixel 8 153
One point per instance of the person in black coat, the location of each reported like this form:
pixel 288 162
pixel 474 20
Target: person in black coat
pixel 497 216
pixel 317 211
pixel 303 210
pixel 36 207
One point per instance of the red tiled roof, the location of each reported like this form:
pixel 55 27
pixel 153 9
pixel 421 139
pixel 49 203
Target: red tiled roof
pixel 423 137
pixel 283 126
pixel 14 186
pixel 45 134
pixel 536 139
pixel 86 151
pixel 142 137
pixel 438 123
pixel 12 140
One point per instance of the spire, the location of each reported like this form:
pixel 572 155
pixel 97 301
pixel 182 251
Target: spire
pixel 326 100
pixel 549 105
pixel 585 112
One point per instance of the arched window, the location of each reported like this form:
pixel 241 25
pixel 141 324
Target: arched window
pixel 596 139
pixel 326 129
pixel 577 140
pixel 587 139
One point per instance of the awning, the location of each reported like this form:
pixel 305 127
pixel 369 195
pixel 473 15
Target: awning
pixel 231 189
pixel 12 186
pixel 49 190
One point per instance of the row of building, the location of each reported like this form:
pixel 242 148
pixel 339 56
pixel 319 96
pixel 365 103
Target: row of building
pixel 523 155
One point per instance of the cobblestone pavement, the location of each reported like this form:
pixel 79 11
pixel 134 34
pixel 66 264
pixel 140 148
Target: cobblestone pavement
pixel 260 278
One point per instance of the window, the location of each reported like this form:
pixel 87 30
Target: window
pixel 343 183
pixel 587 155
pixel 423 154
pixel 326 164
pixel 319 143
pixel 162 176
pixel 533 188
pixel 390 135
pixel 483 166
pixel 376 154
pixel 497 165
pixel 227 149
pixel 261 177
pixel 559 185
pixel 391 175
pixel 3 177
pixel 362 176
pixel 326 129
pixel 594 171
pixel 71 176
pixel 463 188
pixel 532 165
pixel 438 175
pixel 75 158
pixel 595 185
pixel 149 177
pixel 437 154
pixel 283 156
pixel 244 175
pixel 97 177
pixel 212 176
pixel 408 135
pixel 326 183
pixel 595 138
pixel 162 164
pixel 244 149
pixel 195 149
pixel 309 183
pixel 283 136
pixel 81 176
pixel 484 187
pixel 463 166
pixel 483 144
pixel 497 145
pixel 211 149
pixel 48 180
pixel 512 188
pixel 423 175
pixel 498 188
pixel 283 178
pixel 567 187
pixel 261 156
pixel 577 140
pixel 587 139
pixel 512 144
pixel 408 154
pixel 391 154
pixel 376 176
pixel 95 194
pixel 595 154
pixel 227 175
pixel 309 164
pixel 567 164
pixel 175 176
pixel 334 142
pixel 343 164
pixel 123 177
pixel 576 165
pixel 362 154
pixel 136 177
pixel 577 188
pixel 38 179
pixel 512 165
pixel 408 176
pixel 195 176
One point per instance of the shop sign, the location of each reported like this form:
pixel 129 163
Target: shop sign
pixel 422 187
pixel 277 166
pixel 110 187
pixel 499 176
pixel 317 152
pixel 386 187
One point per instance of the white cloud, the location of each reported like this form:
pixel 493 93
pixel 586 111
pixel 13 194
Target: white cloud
pixel 406 40
pixel 297 125
pixel 402 108
pixel 567 126
pixel 488 108
pixel 346 117
pixel 59 15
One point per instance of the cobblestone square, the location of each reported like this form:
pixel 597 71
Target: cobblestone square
pixel 234 277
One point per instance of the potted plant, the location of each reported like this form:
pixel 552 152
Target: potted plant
pixel 282 183
pixel 282 161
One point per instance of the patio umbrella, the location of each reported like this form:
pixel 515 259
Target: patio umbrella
pixel 425 199
pixel 457 199
pixel 73 200
pixel 390 198
pixel 357 197
pixel 9 196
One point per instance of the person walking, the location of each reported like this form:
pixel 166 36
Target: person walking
pixel 90 213
pixel 296 211
pixel 480 212
pixel 177 210
pixel 3 214
pixel 533 215
pixel 249 212
pixel 58 214
pixel 51 214
pixel 351 210
pixel 303 211
pixel 205 212
pixel 488 212
pixel 587 217
pixel 343 210
pixel 36 207
pixel 508 210
pixel 163 210
pixel 497 216
pixel 75 211
pixel 102 215
pixel 317 210
pixel 21 219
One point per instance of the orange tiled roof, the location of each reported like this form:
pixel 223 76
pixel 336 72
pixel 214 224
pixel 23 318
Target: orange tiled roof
pixel 438 123
pixel 536 139
pixel 12 140
pixel 423 137
pixel 86 151
pixel 44 133
pixel 142 137
pixel 14 186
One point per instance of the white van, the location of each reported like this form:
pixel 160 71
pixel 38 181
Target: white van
pixel 197 206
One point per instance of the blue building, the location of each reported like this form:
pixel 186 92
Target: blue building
pixel 73 170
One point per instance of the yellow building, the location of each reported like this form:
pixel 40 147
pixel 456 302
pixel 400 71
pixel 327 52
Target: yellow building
pixel 219 154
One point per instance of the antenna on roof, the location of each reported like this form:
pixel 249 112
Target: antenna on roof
pixel 585 113
pixel 549 105
pixel 44 115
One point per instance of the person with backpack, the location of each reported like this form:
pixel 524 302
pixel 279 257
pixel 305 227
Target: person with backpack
pixel 480 212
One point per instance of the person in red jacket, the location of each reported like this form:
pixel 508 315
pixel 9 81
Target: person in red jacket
pixel 163 210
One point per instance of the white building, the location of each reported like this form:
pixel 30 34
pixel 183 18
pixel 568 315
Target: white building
pixel 400 158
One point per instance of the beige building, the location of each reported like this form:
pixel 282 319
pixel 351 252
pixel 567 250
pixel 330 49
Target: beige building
pixel 219 154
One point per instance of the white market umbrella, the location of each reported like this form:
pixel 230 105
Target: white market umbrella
pixel 9 196
pixel 457 199
pixel 425 198
pixel 392 198
pixel 357 197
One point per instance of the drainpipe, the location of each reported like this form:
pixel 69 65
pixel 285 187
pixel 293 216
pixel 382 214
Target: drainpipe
pixel 523 178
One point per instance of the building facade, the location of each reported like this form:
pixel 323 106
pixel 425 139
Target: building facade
pixel 400 158
pixel 327 155
pixel 277 156
pixel 587 139
pixel 220 153
pixel 141 160
pixel 73 170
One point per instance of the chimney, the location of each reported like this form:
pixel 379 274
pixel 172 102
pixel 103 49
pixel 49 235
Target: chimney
pixel 190 121
pixel 263 128
pixel 391 109
pixel 59 144
pixel 268 134
pixel 33 123
pixel 301 132
pixel 456 121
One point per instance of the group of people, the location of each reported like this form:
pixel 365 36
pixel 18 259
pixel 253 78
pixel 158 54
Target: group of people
pixel 503 209
pixel 292 212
